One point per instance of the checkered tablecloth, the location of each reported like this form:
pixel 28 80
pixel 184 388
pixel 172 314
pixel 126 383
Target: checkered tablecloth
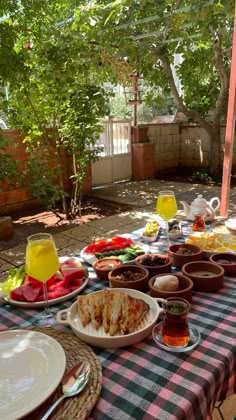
pixel 146 382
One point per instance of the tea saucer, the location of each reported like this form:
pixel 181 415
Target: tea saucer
pixel 193 341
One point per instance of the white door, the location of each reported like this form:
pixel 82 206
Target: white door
pixel 114 163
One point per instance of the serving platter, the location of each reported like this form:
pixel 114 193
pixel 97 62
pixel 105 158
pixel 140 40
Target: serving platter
pixel 99 338
pixel 51 302
pixel 231 224
pixel 211 242
pixel 32 365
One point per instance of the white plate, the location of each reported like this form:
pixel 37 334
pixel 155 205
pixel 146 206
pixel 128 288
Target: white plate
pixel 32 365
pixel 90 258
pixel 51 302
pixel 193 341
pixel 231 223
pixel 219 242
pixel 99 338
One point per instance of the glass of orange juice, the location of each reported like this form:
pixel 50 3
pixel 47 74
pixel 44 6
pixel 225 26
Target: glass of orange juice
pixel 41 263
pixel 166 207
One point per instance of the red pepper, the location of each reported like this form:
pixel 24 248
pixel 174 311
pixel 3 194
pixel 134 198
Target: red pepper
pixel 105 245
pixel 121 240
pixel 97 245
pixel 112 247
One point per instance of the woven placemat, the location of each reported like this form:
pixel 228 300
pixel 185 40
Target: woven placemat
pixel 78 407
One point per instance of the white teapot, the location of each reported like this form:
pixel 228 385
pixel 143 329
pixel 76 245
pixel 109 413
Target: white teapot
pixel 202 207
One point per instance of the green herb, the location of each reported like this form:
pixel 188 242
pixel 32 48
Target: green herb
pixel 176 309
pixel 15 278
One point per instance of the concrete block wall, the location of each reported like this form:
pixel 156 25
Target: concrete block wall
pixel 182 145
pixel 166 138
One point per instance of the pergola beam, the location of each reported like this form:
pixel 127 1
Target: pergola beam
pixel 230 131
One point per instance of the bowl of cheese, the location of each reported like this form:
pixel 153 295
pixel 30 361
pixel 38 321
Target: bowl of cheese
pixel 211 242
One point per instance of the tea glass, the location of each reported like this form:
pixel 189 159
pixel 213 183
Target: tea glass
pixel 175 329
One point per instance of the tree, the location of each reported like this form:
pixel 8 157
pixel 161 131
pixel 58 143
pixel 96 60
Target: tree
pixel 200 30
pixel 56 101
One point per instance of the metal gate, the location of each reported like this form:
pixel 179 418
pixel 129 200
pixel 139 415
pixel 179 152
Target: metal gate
pixel 114 163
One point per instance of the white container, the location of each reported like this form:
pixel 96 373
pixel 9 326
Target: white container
pixel 99 338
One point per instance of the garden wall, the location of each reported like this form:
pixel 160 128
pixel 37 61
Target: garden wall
pixel 14 200
pixel 178 145
pixel 175 146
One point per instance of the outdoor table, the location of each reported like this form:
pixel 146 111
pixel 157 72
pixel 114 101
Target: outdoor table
pixel 143 381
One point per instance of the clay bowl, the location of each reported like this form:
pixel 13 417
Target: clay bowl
pixel 221 259
pixel 184 290
pixel 163 263
pixel 129 271
pixel 178 260
pixel 103 266
pixel 206 276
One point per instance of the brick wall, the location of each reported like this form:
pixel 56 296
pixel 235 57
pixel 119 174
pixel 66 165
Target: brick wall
pixel 14 200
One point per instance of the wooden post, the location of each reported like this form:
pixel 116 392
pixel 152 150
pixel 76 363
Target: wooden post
pixel 230 130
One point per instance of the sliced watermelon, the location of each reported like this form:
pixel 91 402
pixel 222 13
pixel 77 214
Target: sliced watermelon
pixel 17 294
pixel 75 274
pixel 31 293
pixel 71 263
pixel 32 289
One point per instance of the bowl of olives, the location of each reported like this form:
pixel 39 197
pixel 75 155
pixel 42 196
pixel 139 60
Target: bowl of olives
pixel 154 263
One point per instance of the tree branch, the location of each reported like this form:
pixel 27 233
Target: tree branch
pixel 190 113
pixel 219 64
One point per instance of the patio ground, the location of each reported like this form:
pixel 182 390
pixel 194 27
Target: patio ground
pixel 105 201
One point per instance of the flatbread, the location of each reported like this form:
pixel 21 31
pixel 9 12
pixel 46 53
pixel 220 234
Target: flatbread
pixel 83 309
pixel 117 312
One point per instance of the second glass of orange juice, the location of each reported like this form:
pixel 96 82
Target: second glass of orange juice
pixel 166 207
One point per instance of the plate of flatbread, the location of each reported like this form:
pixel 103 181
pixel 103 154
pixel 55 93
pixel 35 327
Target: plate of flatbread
pixel 112 318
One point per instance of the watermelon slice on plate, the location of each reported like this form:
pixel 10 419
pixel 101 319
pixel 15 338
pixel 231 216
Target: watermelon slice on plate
pixel 61 287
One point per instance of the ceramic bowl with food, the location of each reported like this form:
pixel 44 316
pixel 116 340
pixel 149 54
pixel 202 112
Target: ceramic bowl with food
pixel 206 276
pixel 129 276
pixel 183 289
pixel 226 260
pixel 154 263
pixel 103 266
pixel 99 338
pixel 181 254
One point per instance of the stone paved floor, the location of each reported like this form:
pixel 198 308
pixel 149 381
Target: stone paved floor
pixel 141 197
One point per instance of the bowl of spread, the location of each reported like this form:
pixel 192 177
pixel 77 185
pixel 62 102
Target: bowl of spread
pixel 103 266
pixel 206 276
pixel 226 260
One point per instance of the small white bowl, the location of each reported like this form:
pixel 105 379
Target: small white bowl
pixel 152 238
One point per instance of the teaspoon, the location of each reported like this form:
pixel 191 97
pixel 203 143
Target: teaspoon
pixel 72 384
